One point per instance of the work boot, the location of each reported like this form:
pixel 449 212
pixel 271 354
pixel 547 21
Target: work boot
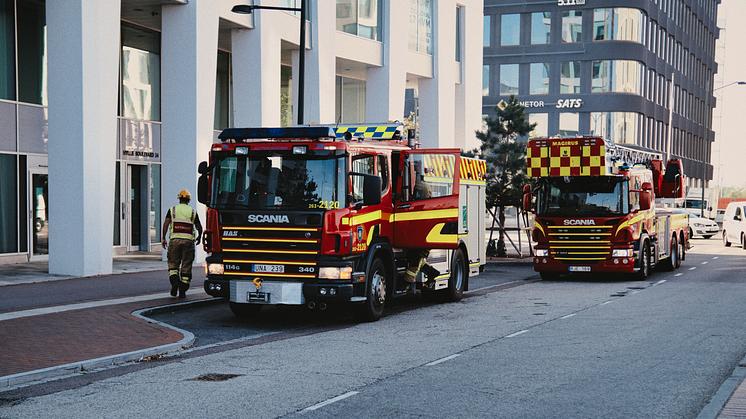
pixel 174 284
pixel 183 287
pixel 430 272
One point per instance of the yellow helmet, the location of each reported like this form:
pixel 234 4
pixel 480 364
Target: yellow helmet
pixel 185 194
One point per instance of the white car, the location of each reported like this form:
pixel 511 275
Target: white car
pixel 700 227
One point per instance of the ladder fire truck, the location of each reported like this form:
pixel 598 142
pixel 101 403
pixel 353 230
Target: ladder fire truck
pixel 318 215
pixel 604 207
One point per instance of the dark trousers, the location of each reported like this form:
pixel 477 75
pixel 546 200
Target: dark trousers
pixel 180 259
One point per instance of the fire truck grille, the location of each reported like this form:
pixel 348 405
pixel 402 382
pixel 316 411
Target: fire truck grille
pixel 587 244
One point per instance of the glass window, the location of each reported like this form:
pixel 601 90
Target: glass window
pixel 7 51
pixel 421 26
pixel 619 127
pixel 222 92
pixel 510 29
pixel 621 24
pixel 542 124
pixel 568 124
pixel 541 23
pixel 508 79
pixel 428 176
pixel 286 96
pixel 350 100
pixel 458 34
pixel 570 77
pixel 155 203
pixel 360 17
pixel 141 73
pixel 485 80
pixel 486 30
pixel 32 52
pixel 8 204
pixel 621 76
pixel 539 79
pixel 572 26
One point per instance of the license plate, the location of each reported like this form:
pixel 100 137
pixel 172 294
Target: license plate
pixel 268 268
pixel 580 268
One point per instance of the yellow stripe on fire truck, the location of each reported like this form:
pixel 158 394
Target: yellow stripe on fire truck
pixel 368 131
pixel 473 170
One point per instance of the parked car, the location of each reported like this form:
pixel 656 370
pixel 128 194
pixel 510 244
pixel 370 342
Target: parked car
pixel 734 224
pixel 700 227
pixel 719 217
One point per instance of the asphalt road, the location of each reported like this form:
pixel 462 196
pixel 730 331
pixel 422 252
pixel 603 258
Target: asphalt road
pixel 586 346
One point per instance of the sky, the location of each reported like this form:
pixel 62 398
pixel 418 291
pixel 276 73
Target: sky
pixel 729 117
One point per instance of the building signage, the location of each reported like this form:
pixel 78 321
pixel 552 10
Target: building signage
pixel 569 103
pixel 570 2
pixel 139 140
pixel 561 104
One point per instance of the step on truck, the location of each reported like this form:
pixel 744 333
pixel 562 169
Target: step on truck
pixel 321 215
pixel 604 207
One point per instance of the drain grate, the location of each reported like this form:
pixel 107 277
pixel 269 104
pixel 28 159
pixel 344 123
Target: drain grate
pixel 215 377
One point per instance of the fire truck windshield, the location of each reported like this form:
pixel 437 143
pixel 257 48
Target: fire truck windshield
pixel 587 196
pixel 288 182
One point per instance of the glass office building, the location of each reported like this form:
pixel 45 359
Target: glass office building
pixel 635 72
pixel 106 108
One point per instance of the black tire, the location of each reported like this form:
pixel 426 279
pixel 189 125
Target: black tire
pixel 725 239
pixel 673 259
pixel 245 309
pixel 372 309
pixel 691 233
pixel 743 241
pixel 644 262
pixel 681 252
pixel 707 236
pixel 459 276
pixel 549 276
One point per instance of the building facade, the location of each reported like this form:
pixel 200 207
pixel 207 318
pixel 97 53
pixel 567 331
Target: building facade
pixel 637 72
pixel 108 106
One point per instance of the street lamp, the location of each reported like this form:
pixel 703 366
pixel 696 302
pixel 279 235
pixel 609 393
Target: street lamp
pixel 706 141
pixel 248 9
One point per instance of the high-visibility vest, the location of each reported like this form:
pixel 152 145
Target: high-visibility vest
pixel 182 222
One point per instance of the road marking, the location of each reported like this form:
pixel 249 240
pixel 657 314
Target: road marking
pixel 659 282
pixel 692 268
pixel 517 333
pixel 716 257
pixel 678 274
pixel 330 401
pixel 705 263
pixel 442 360
pixel 568 316
pixel 79 306
pixel 606 302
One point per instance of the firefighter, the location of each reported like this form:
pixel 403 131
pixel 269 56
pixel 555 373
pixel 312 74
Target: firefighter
pixel 180 223
pixel 416 262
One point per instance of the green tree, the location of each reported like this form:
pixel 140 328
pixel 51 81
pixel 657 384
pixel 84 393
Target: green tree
pixel 733 192
pixel 506 159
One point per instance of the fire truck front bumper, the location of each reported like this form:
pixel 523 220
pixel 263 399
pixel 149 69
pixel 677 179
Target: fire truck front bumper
pixel 290 293
pixel 619 264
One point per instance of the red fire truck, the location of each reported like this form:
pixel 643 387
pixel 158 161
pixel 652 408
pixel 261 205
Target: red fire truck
pixel 604 207
pixel 318 215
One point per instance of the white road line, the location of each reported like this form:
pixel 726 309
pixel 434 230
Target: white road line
pixel 79 306
pixel 517 333
pixel 659 282
pixel 606 302
pixel 692 268
pixel 442 360
pixel 716 257
pixel 568 316
pixel 678 274
pixel 330 401
pixel 705 263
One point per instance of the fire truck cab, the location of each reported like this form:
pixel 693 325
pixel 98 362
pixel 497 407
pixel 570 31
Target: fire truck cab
pixel 318 215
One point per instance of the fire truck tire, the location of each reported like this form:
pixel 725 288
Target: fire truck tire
pixel 644 271
pixel 245 310
pixel 459 276
pixel 673 259
pixel 372 309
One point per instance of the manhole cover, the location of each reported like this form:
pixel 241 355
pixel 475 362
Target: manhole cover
pixel 215 377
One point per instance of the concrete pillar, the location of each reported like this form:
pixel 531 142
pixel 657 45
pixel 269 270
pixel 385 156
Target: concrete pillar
pixel 83 47
pixel 386 86
pixel 437 95
pixel 189 44
pixel 468 110
pixel 321 63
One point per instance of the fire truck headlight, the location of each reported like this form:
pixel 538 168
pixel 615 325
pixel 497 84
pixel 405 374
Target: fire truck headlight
pixel 541 252
pixel 242 150
pixel 621 253
pixel 299 149
pixel 335 272
pixel 215 269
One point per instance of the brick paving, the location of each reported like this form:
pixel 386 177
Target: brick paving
pixel 51 340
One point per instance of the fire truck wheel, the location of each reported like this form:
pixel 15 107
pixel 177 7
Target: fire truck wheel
pixel 642 274
pixel 245 310
pixel 673 260
pixel 459 275
pixel 372 309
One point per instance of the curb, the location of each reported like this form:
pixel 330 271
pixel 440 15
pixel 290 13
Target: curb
pixel 724 393
pixel 12 382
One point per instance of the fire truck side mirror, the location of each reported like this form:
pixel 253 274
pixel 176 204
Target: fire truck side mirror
pixel 646 196
pixel 371 189
pixel 202 195
pixel 527 198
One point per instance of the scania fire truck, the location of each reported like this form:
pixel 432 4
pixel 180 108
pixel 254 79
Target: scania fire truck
pixel 604 207
pixel 317 215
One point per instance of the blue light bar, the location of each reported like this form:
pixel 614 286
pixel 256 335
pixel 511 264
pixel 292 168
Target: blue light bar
pixel 239 134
